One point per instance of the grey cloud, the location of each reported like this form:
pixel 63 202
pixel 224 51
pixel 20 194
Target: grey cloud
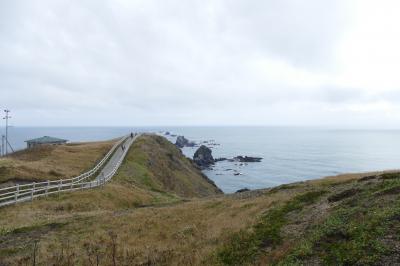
pixel 342 95
pixel 302 33
pixel 389 96
pixel 161 62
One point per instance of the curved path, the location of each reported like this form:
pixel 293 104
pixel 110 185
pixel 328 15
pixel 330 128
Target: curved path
pixel 115 160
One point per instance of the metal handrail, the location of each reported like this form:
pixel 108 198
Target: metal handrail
pixel 74 179
pixel 38 190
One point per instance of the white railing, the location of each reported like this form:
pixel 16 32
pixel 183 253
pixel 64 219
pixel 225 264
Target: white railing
pixel 24 192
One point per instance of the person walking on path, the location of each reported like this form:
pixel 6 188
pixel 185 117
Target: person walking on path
pixel 131 135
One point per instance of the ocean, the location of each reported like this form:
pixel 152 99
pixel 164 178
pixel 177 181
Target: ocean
pixel 289 154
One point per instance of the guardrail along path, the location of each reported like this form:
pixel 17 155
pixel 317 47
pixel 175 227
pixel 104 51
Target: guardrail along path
pixel 105 170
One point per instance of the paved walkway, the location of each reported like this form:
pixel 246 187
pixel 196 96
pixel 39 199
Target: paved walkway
pixel 110 165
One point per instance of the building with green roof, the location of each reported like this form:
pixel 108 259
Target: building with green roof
pixel 46 140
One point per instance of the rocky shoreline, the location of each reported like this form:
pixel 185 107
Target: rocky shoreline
pixel 204 160
pixel 203 155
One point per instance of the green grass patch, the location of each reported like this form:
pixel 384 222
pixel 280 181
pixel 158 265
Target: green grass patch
pixel 28 229
pixel 384 186
pixel 390 176
pixel 245 246
pixel 330 183
pixel 353 232
pixel 215 204
pixel 138 172
pixel 248 206
pixel 6 252
pixel 283 187
pixel 4 231
pixel 163 197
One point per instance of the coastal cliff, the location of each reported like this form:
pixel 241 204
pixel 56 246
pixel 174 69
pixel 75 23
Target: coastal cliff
pixel 161 210
pixel 156 164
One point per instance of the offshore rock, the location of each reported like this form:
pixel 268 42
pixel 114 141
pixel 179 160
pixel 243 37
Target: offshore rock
pixel 247 159
pixel 203 157
pixel 181 142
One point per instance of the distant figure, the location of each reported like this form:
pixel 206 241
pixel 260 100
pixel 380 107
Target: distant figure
pixel 131 135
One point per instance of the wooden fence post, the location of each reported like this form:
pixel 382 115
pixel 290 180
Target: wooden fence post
pixel 47 188
pixel 16 193
pixel 33 190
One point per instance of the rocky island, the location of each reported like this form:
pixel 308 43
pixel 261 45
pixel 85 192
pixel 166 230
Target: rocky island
pixel 181 142
pixel 203 157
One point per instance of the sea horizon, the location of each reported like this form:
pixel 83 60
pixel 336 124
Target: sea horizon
pixel 290 153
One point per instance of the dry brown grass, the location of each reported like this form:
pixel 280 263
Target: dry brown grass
pixel 131 223
pixel 179 234
pixel 52 162
pixel 112 197
pixel 348 177
pixel 144 227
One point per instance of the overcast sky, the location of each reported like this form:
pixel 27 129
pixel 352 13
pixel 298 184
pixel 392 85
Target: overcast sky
pixel 207 62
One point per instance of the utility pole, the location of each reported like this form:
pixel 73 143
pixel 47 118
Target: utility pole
pixel 2 145
pixel 7 116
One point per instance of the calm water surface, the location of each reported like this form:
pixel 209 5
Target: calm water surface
pixel 290 154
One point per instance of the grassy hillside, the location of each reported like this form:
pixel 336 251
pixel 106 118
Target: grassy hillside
pixel 52 162
pixel 342 223
pixel 344 220
pixel 155 164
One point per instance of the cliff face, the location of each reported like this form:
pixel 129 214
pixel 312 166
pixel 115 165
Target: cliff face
pixel 156 164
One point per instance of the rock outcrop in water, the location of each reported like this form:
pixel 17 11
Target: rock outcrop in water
pixel 241 159
pixel 246 159
pixel 181 142
pixel 203 157
pixel 242 190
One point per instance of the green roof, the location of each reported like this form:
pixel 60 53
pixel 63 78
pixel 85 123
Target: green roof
pixel 46 139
